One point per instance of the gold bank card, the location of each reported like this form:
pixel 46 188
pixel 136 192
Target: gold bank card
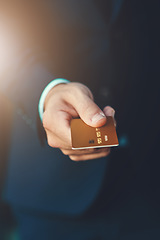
pixel 84 136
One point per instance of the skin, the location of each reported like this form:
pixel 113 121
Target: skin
pixel 67 101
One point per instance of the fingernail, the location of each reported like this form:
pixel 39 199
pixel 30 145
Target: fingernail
pixel 110 112
pixel 98 117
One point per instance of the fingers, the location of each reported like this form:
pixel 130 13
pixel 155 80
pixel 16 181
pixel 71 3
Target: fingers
pixel 91 156
pixel 58 142
pixel 58 129
pixel 88 111
pixel 86 154
pixel 56 122
pixel 82 151
pixel 109 111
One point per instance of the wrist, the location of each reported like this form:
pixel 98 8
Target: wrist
pixel 45 93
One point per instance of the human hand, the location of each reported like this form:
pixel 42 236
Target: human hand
pixel 67 101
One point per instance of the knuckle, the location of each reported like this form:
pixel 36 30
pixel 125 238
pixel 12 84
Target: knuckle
pixel 48 121
pixel 45 121
pixel 74 158
pixel 79 89
pixel 65 152
pixel 52 143
pixel 74 89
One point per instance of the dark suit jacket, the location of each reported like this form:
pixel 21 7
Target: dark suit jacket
pixel 109 53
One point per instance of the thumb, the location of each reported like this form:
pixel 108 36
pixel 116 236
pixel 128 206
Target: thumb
pixel 89 112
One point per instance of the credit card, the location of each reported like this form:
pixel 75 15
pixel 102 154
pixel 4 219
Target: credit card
pixel 84 136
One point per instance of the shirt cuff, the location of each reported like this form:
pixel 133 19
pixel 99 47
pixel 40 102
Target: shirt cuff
pixel 46 91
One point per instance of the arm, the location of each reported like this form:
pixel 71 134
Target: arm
pixel 25 76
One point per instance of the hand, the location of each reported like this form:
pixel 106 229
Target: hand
pixel 67 101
